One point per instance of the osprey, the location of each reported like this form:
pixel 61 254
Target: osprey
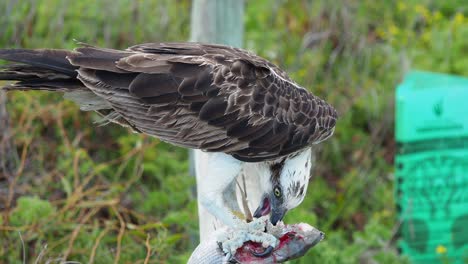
pixel 239 108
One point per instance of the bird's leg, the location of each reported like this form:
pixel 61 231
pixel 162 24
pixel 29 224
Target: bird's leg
pixel 223 170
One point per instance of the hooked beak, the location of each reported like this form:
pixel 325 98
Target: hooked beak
pixel 277 215
pixel 270 206
pixel 263 209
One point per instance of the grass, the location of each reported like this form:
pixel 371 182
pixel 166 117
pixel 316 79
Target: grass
pixel 99 194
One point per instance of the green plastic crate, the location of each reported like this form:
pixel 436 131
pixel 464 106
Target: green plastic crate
pixel 431 171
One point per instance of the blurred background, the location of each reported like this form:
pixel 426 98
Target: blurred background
pixel 99 194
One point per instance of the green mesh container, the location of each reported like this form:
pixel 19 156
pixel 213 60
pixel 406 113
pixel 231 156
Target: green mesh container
pixel 431 171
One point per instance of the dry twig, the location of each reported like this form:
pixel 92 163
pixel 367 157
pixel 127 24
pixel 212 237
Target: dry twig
pixel 148 249
pixel 96 244
pixel 120 236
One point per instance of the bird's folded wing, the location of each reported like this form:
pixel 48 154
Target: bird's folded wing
pixel 208 97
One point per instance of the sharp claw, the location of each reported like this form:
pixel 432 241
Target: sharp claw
pixel 263 254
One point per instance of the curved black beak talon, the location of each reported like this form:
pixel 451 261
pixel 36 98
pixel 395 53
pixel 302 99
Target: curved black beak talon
pixel 277 215
pixel 267 252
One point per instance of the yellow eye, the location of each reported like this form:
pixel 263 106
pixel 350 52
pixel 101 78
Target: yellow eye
pixel 277 192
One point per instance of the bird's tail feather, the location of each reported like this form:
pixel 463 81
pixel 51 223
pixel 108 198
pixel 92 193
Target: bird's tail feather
pixel 50 70
pixel 39 69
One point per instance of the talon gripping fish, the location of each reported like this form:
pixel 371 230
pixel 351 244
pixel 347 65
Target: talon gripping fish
pixel 295 241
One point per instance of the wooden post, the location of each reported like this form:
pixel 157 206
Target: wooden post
pixel 218 21
pixel 221 22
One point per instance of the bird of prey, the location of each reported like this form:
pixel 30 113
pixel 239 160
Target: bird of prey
pixel 236 106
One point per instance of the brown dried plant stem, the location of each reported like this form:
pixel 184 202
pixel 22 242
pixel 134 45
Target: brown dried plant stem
pixel 9 159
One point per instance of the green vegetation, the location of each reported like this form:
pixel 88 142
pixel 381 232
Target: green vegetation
pixel 100 194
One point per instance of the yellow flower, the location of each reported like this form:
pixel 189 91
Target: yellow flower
pixel 422 10
pixel 393 30
pixel 426 36
pixel 437 16
pixel 380 32
pixel 419 8
pixel 302 73
pixel 441 249
pixel 401 6
pixel 458 19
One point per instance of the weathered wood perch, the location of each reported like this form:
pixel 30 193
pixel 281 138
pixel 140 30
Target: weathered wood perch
pixel 221 22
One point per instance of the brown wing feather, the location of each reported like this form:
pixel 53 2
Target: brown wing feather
pixel 210 97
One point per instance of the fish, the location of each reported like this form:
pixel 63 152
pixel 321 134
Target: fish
pixel 294 241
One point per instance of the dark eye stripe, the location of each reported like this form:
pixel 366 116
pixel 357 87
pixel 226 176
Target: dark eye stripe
pixel 276 169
